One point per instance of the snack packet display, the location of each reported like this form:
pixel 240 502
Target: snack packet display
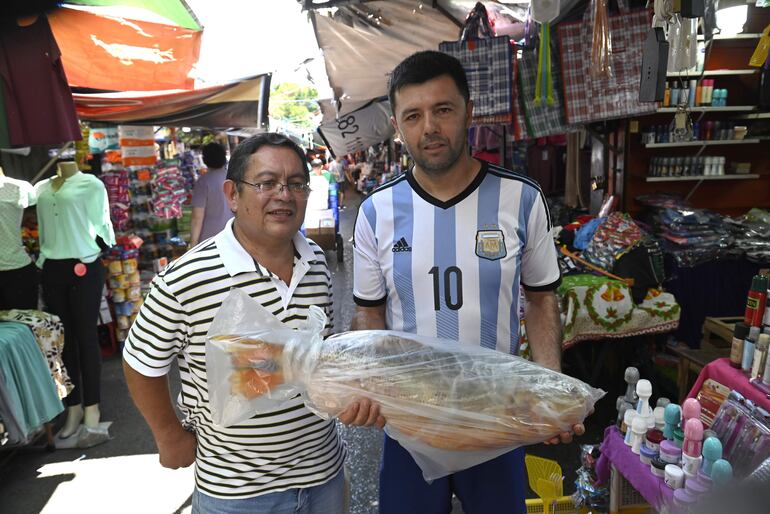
pixel 451 405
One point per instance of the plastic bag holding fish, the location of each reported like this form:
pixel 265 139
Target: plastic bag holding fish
pixel 451 405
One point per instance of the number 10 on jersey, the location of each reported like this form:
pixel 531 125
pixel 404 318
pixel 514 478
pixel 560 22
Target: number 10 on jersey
pixel 452 278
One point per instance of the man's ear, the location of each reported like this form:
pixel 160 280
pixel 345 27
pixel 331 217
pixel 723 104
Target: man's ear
pixel 230 189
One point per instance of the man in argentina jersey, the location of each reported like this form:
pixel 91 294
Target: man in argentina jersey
pixel 442 251
pixel 285 460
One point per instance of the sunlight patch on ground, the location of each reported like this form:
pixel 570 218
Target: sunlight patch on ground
pixel 134 484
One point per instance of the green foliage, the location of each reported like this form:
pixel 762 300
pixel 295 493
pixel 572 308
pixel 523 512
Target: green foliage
pixel 295 104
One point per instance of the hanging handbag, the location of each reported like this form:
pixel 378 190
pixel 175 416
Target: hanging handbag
pixel 487 61
pixel 589 99
pixel 546 118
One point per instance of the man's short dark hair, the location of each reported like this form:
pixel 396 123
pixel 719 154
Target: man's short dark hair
pixel 424 66
pixel 239 160
pixel 214 155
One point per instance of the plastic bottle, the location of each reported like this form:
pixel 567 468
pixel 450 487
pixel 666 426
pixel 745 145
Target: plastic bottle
pixel 748 349
pixel 674 95
pixel 667 96
pixel 691 90
pixel 740 332
pixel 760 354
pixel 698 93
pixel 709 91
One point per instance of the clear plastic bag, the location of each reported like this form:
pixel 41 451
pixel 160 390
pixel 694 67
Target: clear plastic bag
pixel 601 40
pixel 451 405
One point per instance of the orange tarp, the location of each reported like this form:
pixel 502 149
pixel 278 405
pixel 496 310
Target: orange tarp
pixel 106 52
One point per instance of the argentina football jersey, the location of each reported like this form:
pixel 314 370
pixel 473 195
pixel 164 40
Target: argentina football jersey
pixel 453 269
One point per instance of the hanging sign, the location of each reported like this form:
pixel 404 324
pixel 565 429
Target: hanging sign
pixel 359 129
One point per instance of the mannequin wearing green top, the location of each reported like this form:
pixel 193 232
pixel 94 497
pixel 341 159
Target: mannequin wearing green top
pixel 73 217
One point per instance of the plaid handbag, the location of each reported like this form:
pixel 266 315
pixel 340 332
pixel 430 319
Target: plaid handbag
pixel 543 120
pixel 588 99
pixel 487 64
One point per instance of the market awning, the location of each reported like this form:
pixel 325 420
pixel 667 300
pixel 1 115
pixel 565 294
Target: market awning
pixel 120 54
pixel 237 104
pixel 176 11
pixel 359 129
pixel 359 55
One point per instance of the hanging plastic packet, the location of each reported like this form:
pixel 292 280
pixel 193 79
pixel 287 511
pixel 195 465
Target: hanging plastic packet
pixel 763 49
pixel 544 12
pixel 601 40
pixel 675 60
pixel 451 405
pixel 689 42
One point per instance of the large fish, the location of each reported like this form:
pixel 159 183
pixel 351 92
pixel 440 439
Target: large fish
pixel 447 395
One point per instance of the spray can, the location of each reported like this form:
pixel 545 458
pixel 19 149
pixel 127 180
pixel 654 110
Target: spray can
pixel 755 304
pixel 740 332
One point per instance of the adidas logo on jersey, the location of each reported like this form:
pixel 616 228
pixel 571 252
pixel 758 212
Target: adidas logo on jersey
pixel 401 246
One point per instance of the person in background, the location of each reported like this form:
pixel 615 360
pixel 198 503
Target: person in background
pixel 337 170
pixel 442 251
pixel 210 210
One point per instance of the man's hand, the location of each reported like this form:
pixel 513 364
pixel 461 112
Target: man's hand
pixel 177 450
pixel 362 413
pixel 566 437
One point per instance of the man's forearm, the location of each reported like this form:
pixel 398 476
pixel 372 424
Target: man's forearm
pixel 368 318
pixel 152 397
pixel 544 329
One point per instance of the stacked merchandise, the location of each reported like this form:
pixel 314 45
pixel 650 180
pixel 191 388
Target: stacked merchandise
pixel 116 182
pixel 168 191
pixel 691 236
pixel 752 234
pixel 125 283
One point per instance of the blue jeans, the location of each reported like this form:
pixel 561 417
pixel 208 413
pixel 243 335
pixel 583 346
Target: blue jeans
pixel 328 498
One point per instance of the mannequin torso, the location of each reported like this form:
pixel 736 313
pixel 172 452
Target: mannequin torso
pixel 65 171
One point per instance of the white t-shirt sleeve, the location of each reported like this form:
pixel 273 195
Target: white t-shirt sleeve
pixel 28 197
pixel 539 267
pixel 368 281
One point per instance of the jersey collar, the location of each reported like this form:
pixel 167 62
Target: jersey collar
pixel 452 201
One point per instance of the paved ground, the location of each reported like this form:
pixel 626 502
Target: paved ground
pixel 122 475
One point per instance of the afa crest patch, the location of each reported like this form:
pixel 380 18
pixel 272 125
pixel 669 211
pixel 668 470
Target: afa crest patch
pixel 490 244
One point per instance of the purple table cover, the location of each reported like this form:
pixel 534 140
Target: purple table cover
pixel 614 451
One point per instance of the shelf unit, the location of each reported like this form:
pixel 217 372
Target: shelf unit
pixel 713 73
pixel 715 142
pixel 727 108
pixel 728 37
pixel 691 178
pixel 726 64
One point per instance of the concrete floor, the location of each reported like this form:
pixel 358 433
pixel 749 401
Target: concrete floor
pixel 123 475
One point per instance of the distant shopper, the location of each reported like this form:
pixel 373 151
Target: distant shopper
pixel 337 169
pixel 210 209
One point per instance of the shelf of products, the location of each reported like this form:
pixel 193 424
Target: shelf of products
pixel 690 178
pixel 704 143
pixel 749 35
pixel 728 108
pixel 713 73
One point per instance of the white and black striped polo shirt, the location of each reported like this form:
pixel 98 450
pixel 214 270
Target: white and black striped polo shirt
pixel 284 449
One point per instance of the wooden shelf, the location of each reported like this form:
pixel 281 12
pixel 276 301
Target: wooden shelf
pixel 728 108
pixel 713 73
pixel 715 142
pixel 755 116
pixel 748 35
pixel 747 176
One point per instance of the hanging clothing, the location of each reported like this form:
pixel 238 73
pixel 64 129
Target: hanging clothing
pixel 72 217
pixel 37 98
pixel 28 383
pixel 49 333
pixel 15 196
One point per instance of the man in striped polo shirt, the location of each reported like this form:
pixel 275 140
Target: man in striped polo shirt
pixel 442 251
pixel 288 460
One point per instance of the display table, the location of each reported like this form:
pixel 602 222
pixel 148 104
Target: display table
pixel 615 453
pixel 721 371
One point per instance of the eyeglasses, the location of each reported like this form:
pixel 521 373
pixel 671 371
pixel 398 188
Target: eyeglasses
pixel 275 188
